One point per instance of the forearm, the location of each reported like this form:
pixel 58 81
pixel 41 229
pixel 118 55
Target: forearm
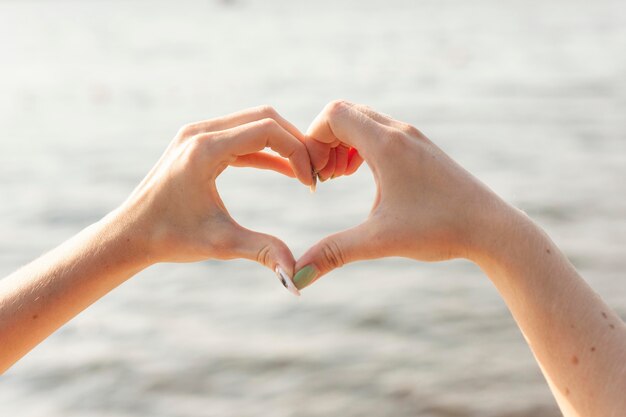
pixel 579 342
pixel 175 214
pixel 42 296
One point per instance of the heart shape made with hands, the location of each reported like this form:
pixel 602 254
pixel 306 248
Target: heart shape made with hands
pixel 414 217
pixel 337 160
pixel 181 206
pixel 322 157
pixel 203 228
pixel 338 141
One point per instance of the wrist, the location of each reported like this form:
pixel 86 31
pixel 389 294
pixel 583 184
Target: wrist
pixel 506 233
pixel 128 235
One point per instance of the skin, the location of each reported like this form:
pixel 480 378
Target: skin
pixel 429 208
pixel 174 215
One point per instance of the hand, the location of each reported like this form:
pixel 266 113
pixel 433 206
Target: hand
pixel 175 214
pixel 177 206
pixel 427 207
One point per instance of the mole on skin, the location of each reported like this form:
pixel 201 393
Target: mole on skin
pixel 575 360
pixel 593 348
pixel 604 315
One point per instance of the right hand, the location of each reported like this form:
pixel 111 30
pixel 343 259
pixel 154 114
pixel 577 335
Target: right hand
pixel 427 207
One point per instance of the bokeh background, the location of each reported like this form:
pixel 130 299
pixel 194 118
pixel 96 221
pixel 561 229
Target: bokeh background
pixel 530 95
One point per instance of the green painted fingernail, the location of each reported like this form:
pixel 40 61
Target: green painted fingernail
pixel 305 276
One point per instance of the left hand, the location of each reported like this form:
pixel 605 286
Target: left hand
pixel 177 207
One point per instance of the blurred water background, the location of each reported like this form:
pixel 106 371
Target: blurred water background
pixel 530 95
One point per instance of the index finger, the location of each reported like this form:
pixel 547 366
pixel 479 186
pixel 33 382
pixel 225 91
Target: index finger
pixel 232 120
pixel 255 136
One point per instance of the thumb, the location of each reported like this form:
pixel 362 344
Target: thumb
pixel 267 250
pixel 334 251
pixel 341 121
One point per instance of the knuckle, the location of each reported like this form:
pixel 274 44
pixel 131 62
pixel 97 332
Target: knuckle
pixel 332 255
pixel 411 130
pixel 267 111
pixel 267 124
pixel 394 144
pixel 396 135
pixel 186 130
pixel 336 107
pixel 196 147
pixel 263 255
pixel 193 149
pixel 206 138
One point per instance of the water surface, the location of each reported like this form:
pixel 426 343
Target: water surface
pixel 529 95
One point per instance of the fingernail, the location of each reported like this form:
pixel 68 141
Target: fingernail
pixel 320 178
pixel 286 281
pixel 305 276
pixel 314 183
